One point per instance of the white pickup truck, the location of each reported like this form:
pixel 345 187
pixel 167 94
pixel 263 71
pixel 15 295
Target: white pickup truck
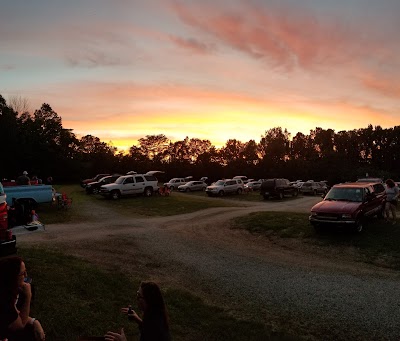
pixel 135 184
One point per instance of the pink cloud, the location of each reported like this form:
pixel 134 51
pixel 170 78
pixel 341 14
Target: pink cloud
pixel 384 85
pixel 285 37
pixel 193 45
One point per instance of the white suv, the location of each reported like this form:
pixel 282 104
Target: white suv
pixel 130 185
pixel 174 183
pixel 228 186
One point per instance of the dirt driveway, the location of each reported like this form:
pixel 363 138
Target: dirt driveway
pixel 318 294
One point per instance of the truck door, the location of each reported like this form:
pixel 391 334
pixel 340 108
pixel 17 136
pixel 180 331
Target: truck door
pixel 128 186
pixel 371 204
pixel 139 184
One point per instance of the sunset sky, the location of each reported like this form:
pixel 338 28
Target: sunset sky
pixel 217 70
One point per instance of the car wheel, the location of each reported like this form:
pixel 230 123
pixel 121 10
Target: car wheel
pixel 359 225
pixel 95 191
pixel 266 197
pixel 280 195
pixel 148 192
pixel 221 193
pixel 239 191
pixel 315 192
pixel 115 195
pixel 171 188
pixel 187 190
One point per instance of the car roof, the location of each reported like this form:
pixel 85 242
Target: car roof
pixel 153 172
pixel 369 180
pixel 355 184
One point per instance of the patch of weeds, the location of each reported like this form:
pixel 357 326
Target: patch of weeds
pixel 284 225
pixel 376 244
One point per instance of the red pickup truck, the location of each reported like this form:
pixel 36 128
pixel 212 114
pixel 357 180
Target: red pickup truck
pixel 7 239
pixel 349 204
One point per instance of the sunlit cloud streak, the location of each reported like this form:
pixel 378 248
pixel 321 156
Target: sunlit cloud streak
pixel 209 69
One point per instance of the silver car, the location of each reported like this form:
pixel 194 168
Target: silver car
pixel 253 185
pixel 222 187
pixel 192 186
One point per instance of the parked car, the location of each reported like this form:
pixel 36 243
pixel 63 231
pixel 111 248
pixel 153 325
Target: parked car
pixel 145 184
pixel 313 188
pixel 277 188
pixel 253 185
pixel 174 183
pixel 95 178
pixel 94 187
pixel 192 186
pixel 228 186
pixel 241 177
pixel 349 204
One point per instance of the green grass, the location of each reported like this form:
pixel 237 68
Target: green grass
pixel 251 196
pixel 74 298
pixel 377 243
pixel 132 206
pixel 293 225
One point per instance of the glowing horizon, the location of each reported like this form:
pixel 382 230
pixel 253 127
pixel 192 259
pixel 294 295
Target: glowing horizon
pixel 214 70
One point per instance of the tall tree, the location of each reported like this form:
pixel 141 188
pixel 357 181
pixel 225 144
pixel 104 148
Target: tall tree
pixel 274 145
pixel 8 140
pixel 154 146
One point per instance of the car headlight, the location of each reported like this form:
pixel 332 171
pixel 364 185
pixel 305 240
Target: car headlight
pixel 346 215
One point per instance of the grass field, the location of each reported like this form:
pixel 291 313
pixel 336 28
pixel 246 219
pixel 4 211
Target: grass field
pixel 74 298
pixel 132 206
pixel 377 243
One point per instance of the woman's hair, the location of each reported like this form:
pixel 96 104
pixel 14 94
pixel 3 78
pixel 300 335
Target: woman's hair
pixel 155 305
pixel 10 268
pixel 390 183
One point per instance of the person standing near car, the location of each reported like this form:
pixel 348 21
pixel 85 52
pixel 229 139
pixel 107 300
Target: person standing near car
pixel 392 195
pixel 23 179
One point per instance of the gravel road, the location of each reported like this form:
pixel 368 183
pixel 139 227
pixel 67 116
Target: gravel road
pixel 322 296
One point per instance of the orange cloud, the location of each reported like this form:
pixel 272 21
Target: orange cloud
pixel 285 37
pixel 386 86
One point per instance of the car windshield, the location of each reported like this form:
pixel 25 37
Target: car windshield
pixel 99 176
pixel 345 194
pixel 1 189
pixel 120 180
pixel 220 183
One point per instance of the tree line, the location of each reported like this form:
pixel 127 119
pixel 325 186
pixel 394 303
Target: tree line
pixel 38 142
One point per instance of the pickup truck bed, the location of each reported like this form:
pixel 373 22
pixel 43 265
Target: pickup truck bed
pixel 37 193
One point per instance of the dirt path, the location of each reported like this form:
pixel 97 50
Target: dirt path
pixel 328 296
